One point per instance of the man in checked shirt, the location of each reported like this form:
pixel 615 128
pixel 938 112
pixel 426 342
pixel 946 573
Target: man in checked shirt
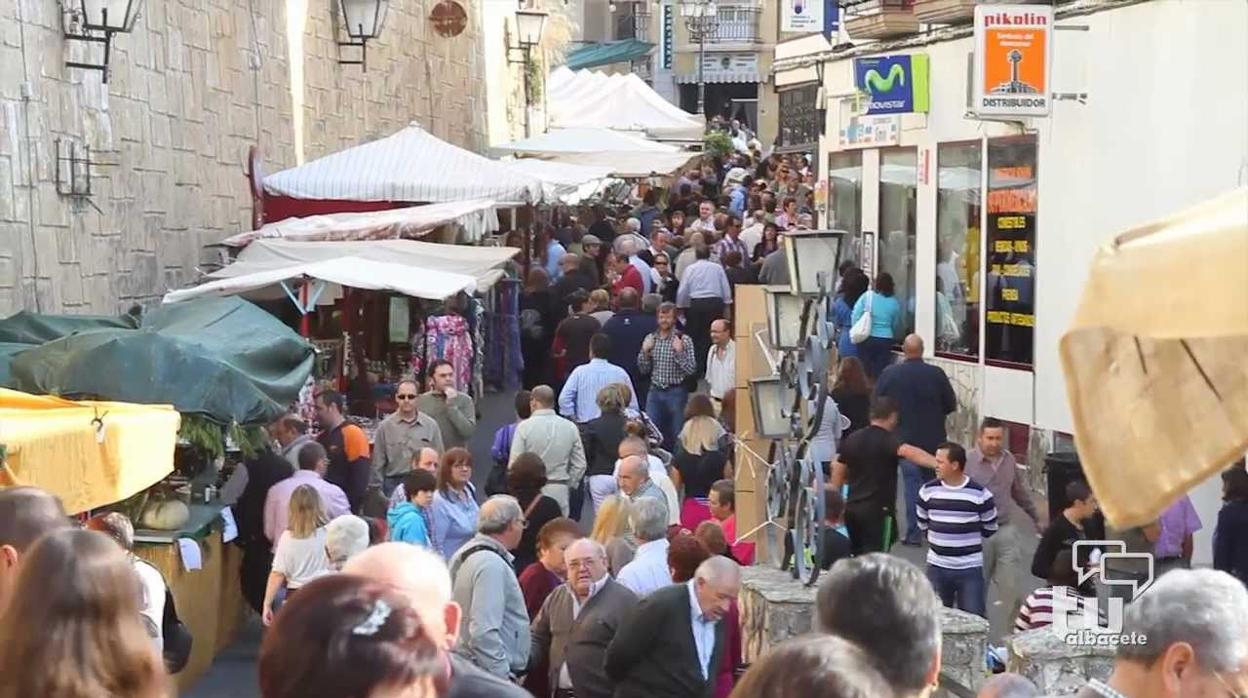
pixel 667 356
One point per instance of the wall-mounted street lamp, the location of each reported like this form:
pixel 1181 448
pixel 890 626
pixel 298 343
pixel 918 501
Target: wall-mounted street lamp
pixel 362 21
pixel 701 21
pixel 529 26
pixel 810 254
pixel 784 317
pixel 95 22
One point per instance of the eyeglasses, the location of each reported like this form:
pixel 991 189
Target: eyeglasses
pixel 405 396
pixel 1231 690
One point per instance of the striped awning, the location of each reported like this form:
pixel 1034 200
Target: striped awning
pixel 718 77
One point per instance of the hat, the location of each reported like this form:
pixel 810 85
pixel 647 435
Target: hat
pixel 588 240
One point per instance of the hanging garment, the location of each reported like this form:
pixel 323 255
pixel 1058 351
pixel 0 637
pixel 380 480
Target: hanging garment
pixel 447 338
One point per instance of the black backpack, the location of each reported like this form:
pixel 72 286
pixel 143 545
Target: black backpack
pixel 177 637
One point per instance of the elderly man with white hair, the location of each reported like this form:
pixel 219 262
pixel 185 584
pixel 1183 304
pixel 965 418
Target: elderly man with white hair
pixel 630 245
pixel 577 621
pixel 421 576
pixel 495 627
pixel 345 537
pixel 672 645
pixel 648 572
pixel 1191 639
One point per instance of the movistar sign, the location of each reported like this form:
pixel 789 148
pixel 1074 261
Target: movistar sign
pixel 894 84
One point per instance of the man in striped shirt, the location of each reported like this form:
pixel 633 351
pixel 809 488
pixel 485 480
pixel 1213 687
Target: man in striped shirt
pixel 958 515
pixel 1037 610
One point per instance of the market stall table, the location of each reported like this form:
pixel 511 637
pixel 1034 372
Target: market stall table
pixel 209 600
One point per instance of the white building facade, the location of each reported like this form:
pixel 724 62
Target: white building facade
pixel 988 227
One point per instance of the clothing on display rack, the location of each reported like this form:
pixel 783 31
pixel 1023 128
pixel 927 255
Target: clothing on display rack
pixel 447 338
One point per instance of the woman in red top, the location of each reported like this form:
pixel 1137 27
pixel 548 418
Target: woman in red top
pixel 541 578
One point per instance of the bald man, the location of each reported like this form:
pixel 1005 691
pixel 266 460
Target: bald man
pixel 577 619
pixel 924 396
pixel 26 515
pixel 627 329
pixel 651 656
pixel 421 575
pixel 426 459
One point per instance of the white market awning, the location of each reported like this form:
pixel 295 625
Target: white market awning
pixel 630 165
pixel 349 272
pixel 571 184
pixel 560 141
pixel 408 166
pixel 477 217
pixel 620 102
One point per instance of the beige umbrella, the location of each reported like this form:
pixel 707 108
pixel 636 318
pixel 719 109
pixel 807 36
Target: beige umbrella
pixel 1156 359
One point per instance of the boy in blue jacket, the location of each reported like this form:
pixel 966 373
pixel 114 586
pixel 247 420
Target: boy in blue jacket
pixel 409 521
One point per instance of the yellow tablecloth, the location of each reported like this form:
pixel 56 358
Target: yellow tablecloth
pixel 57 445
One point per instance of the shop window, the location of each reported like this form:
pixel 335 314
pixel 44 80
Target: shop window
pixel 898 199
pixel 1010 279
pixel 958 250
pixel 845 202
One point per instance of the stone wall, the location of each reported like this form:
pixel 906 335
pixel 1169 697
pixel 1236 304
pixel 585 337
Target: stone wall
pixel 775 607
pixel 191 89
pixel 1057 667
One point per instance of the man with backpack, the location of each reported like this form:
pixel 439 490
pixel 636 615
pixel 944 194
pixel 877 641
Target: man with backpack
pixel 494 627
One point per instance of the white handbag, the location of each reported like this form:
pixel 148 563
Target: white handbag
pixel 861 330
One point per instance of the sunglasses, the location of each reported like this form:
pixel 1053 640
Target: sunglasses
pixel 405 396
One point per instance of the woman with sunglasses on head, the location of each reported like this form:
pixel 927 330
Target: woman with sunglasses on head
pixel 455 507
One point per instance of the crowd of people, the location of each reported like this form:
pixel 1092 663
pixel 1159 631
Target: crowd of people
pixel 603 558
pixel 395 619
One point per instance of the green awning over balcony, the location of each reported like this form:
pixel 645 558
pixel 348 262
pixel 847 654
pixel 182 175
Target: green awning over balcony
pixel 607 52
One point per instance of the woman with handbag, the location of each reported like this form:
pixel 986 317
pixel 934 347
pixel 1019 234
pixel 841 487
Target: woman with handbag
pixel 853 286
pixel 876 314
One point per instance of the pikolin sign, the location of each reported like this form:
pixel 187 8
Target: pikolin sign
pixel 1084 622
pixel 1013 54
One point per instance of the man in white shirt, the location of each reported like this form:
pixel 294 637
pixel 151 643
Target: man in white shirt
pixel 557 441
pixel 648 571
pixel 752 233
pixel 706 219
pixel 721 361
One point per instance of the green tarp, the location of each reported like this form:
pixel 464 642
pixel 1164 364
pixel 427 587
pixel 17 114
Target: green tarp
pixel 606 53
pixel 224 358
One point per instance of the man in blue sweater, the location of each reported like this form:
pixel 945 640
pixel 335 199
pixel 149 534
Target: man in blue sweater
pixel 925 396
pixel 628 329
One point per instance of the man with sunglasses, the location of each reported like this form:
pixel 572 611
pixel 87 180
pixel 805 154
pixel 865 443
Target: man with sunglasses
pixel 400 438
pixel 1186 635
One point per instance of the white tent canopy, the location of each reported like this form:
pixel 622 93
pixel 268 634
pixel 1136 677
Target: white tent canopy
pixel 560 141
pixel 352 272
pixel 476 217
pixel 630 165
pixel 418 269
pixel 408 166
pixel 570 183
pixel 622 102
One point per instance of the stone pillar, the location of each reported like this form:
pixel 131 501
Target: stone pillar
pixel 1056 667
pixel 775 607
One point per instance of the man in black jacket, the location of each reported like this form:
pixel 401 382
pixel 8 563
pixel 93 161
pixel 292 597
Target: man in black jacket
pixel 672 644
pixel 628 329
pixel 925 396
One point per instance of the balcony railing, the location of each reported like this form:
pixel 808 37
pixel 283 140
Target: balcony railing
pixel 632 20
pixel 735 24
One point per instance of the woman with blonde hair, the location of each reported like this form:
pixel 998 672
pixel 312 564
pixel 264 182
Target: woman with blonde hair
pixel 699 461
pixel 299 556
pixel 601 302
pixel 611 530
pixel 74 629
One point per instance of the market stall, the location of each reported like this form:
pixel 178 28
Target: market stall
pixel 475 217
pixel 378 310
pixel 405 168
pixel 223 364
